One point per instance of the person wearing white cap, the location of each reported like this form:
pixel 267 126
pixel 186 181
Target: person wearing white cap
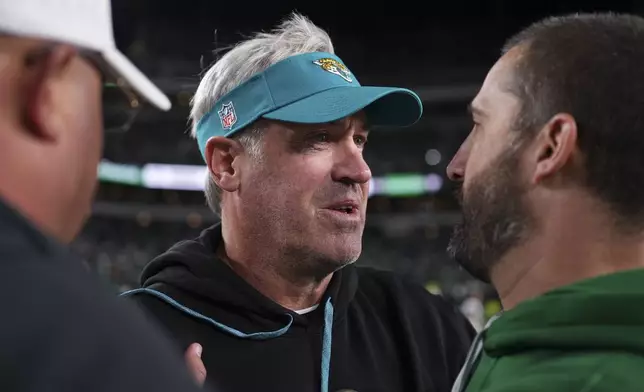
pixel 59 331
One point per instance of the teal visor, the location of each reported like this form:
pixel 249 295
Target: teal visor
pixel 308 88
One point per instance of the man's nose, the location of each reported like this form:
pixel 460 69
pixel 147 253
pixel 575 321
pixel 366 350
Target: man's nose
pixel 351 167
pixel 456 167
pixel 455 170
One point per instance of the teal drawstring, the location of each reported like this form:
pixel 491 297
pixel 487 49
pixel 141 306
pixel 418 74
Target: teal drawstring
pixel 232 331
pixel 326 338
pixel 326 345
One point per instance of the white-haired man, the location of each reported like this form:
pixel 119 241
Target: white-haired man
pixel 270 292
pixel 59 332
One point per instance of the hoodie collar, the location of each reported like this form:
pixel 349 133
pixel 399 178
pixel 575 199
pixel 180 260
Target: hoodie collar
pixel 598 313
pixel 193 269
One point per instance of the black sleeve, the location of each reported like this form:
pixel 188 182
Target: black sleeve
pixel 452 333
pixel 459 335
pixel 437 332
pixel 60 331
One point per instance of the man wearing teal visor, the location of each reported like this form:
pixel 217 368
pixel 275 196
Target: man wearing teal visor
pixel 271 293
pixel 308 88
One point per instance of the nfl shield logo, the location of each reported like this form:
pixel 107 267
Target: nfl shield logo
pixel 227 115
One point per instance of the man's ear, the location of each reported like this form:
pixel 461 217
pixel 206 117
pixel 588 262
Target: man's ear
pixel 46 91
pixel 556 143
pixel 220 153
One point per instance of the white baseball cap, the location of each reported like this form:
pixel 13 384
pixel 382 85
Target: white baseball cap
pixel 86 24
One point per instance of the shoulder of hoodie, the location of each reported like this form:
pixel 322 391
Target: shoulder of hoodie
pixel 585 372
pixel 388 289
pixel 374 282
pixel 617 371
pixel 73 325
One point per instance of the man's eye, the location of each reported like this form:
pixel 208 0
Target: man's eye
pixel 321 137
pixel 360 140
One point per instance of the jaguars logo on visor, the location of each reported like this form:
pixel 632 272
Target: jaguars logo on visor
pixel 335 67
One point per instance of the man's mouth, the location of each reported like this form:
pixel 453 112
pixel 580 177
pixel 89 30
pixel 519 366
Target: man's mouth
pixel 346 207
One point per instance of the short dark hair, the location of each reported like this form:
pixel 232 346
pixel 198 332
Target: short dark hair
pixel 592 67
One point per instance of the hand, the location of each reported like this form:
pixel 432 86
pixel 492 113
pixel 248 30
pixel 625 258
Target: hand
pixel 195 364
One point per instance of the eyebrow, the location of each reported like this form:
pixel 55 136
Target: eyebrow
pixel 365 124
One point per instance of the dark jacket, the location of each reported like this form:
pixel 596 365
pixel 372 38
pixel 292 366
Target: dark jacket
pixel 60 331
pixel 372 332
pixel 585 337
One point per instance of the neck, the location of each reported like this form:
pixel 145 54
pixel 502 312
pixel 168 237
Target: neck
pixel 572 244
pixel 270 271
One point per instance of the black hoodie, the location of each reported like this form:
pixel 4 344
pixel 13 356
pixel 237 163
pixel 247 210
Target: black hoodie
pixel 386 335
pixel 62 332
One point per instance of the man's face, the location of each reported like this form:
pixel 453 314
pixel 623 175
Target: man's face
pixel 309 191
pixel 61 112
pixel 80 113
pixel 495 215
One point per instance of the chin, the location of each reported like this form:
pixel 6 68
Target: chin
pixel 324 259
pixel 337 254
pixel 346 254
pixel 331 265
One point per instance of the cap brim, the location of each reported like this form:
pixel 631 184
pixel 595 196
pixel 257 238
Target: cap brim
pixel 384 106
pixel 140 83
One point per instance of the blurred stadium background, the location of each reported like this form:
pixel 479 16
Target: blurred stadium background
pixel 152 176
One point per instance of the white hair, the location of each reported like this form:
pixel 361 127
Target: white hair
pixel 295 35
